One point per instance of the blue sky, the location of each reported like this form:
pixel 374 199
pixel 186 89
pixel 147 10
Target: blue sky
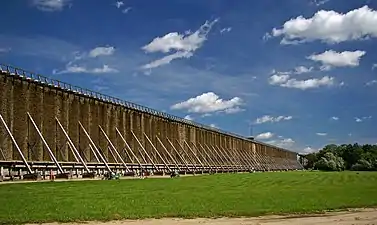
pixel 301 72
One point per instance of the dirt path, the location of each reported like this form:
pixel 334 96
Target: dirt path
pixel 354 217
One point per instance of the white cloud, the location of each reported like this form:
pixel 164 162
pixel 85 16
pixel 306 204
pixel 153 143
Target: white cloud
pixel 184 44
pixel 330 27
pixel 283 79
pixel 321 134
pixel 126 10
pixel 82 69
pixel 308 84
pixel 209 102
pixel 225 30
pixel 303 69
pixel 283 143
pixel 278 79
pixel 319 2
pixel 188 117
pixel 332 58
pixel 5 50
pixel 308 150
pixel 270 119
pixel 335 118
pixel 50 5
pixel 372 82
pixel 359 120
pixel 263 136
pixel 119 4
pixel 374 66
pixel 98 51
pixel 167 59
pixel 213 125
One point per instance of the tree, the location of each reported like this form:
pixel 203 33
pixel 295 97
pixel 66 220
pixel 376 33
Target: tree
pixel 345 156
pixel 330 162
pixel 362 165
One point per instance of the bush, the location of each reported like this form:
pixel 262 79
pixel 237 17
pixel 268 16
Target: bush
pixel 362 165
pixel 330 162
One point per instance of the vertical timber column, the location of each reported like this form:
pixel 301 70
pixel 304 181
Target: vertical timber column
pixel 146 128
pixel 73 125
pixel 49 124
pixel 95 119
pixel 36 109
pixel 119 145
pixel 6 96
pixel 14 113
pixel 84 105
pixel 110 128
pixel 181 138
pixel 128 135
pixel 62 113
pixel 136 129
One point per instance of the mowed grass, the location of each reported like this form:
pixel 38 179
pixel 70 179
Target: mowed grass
pixel 200 196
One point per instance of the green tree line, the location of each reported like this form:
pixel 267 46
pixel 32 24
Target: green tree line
pixel 343 157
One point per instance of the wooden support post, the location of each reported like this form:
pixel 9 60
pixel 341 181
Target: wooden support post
pixel 209 157
pixel 171 157
pixel 1 173
pixel 163 160
pixel 220 161
pixel 223 152
pixel 52 156
pixel 128 147
pixel 142 147
pixel 72 146
pixel 115 150
pixel 203 156
pixel 16 145
pixel 194 163
pixel 194 154
pixel 179 155
pixel 93 146
pixel 236 158
pixel 94 153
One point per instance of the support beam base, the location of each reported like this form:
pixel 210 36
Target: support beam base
pixel 32 176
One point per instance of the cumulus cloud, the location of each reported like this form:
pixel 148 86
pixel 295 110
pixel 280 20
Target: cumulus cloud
pixel 119 4
pixel 83 69
pixel 209 102
pixel 225 30
pixel 283 79
pixel 278 78
pixel 335 118
pixel 188 117
pixel 319 2
pixel 126 10
pixel 329 26
pixel 283 143
pixel 332 58
pixel 167 59
pixel 50 5
pixel 99 51
pixel 374 66
pixel 309 83
pixel 303 69
pixel 359 120
pixel 321 134
pixel 263 136
pixel 372 82
pixel 184 44
pixel 308 150
pixel 271 119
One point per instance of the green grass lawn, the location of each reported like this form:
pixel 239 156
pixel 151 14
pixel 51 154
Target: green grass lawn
pixel 200 196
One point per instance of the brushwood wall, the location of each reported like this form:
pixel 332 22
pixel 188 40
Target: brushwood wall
pixel 46 102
